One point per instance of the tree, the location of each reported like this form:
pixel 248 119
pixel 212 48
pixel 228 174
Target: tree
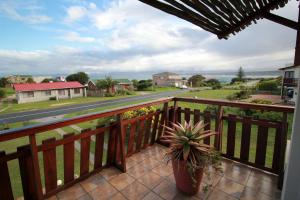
pixel 30 80
pixel 108 83
pixel 214 83
pixel 47 80
pixel 240 76
pixel 3 82
pixel 197 80
pixel 81 77
pixel 135 83
pixel 144 84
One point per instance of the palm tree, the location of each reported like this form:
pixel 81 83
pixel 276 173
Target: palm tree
pixel 108 83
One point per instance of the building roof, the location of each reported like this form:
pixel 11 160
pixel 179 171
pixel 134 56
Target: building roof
pixel 225 17
pixel 47 86
pixel 166 74
pixel 289 67
pixel 123 81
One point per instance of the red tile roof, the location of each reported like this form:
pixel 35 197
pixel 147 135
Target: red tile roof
pixel 47 86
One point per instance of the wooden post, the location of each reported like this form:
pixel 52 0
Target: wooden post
pixel 121 143
pixel 26 172
pixel 36 167
pixel 297 50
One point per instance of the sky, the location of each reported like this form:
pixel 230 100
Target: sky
pixel 106 36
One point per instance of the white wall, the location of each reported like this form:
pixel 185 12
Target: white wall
pixel 41 96
pixel 291 185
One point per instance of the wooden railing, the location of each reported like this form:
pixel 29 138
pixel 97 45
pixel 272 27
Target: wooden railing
pixel 290 81
pixel 124 137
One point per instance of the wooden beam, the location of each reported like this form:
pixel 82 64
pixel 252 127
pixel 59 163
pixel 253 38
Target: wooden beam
pixel 281 20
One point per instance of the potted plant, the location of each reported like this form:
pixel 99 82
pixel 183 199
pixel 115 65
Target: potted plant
pixel 189 155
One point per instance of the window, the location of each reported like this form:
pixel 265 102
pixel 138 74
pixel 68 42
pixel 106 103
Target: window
pixel 28 94
pixel 61 92
pixel 77 91
pixel 289 74
pixel 48 93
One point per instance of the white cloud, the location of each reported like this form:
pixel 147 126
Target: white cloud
pixel 12 9
pixel 75 13
pixel 75 37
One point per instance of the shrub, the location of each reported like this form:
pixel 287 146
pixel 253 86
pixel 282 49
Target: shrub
pixel 140 112
pixel 125 92
pixel 212 109
pixel 243 94
pixel 261 101
pixel 52 98
pixel 109 94
pixel 268 85
pixel 2 93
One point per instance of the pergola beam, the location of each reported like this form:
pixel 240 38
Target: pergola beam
pixel 281 20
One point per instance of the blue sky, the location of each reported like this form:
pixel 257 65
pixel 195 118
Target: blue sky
pixel 104 36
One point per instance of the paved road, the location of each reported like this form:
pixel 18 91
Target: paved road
pixel 36 114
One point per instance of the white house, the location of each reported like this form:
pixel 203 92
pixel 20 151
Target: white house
pixel 168 79
pixel 33 92
pixel 290 83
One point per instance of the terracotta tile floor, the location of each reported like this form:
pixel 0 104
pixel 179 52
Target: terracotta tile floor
pixel 148 178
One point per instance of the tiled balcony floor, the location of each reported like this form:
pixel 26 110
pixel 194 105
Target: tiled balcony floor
pixel 149 178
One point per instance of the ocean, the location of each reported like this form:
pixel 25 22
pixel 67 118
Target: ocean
pixel 223 77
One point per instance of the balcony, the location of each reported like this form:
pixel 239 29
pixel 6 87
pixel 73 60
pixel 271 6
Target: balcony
pixel 123 159
pixel 290 82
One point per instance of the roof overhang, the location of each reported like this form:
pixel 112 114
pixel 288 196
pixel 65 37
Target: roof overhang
pixel 223 17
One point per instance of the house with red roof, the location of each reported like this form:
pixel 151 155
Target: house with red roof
pixel 34 92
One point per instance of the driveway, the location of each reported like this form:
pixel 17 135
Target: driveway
pixel 37 114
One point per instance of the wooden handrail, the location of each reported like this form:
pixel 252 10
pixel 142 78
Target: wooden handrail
pixel 244 105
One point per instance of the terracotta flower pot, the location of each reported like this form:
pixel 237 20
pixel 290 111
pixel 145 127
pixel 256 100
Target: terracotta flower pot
pixel 183 179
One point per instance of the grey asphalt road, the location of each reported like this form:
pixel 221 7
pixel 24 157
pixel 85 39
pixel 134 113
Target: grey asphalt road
pixel 37 114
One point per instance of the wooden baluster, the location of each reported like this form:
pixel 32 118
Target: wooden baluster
pixel 171 116
pixel 111 145
pixel 245 140
pixel 131 139
pixel 231 136
pixel 175 112
pixel 147 131
pixel 219 128
pixel 196 116
pixel 154 128
pixel 36 167
pixel 187 115
pixel 85 153
pixel 50 168
pixel 179 115
pixel 26 172
pixel 277 149
pixel 141 133
pixel 207 125
pixel 99 147
pixel 5 185
pixel 69 158
pixel 261 146
pixel 163 120
pixel 283 144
